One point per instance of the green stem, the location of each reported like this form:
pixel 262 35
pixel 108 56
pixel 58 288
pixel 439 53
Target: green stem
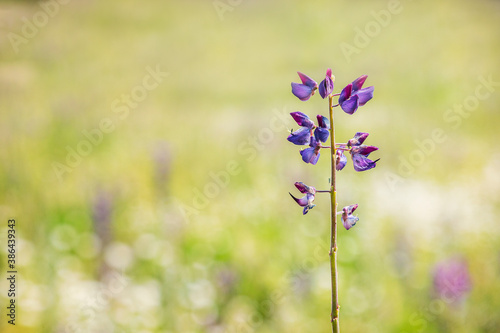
pixel 333 238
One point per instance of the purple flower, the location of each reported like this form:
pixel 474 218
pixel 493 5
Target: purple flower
pixel 302 119
pixel 360 152
pixel 303 134
pixel 311 154
pixel 358 139
pixel 361 163
pixel 300 137
pixel 307 200
pixel 452 280
pixel 323 130
pixel 352 96
pixel 305 90
pixel 341 160
pixel 326 86
pixel 349 220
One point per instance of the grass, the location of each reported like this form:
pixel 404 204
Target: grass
pixel 248 260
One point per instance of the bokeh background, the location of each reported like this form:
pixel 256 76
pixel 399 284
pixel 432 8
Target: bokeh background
pixel 159 202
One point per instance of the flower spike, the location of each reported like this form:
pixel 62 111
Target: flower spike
pixel 314 137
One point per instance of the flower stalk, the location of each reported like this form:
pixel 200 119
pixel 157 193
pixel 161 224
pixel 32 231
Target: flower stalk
pixel 309 134
pixel 333 235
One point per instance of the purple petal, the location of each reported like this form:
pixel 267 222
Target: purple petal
pixel 322 89
pixel 363 150
pixel 310 205
pixel 302 201
pixel 300 137
pixel 323 121
pixel 310 155
pixel 349 221
pixel 303 188
pixel 345 93
pixel 321 134
pixel 307 200
pixel 314 142
pixel 326 86
pixel 350 209
pixel 358 139
pixel 365 95
pixel 341 160
pixel 307 80
pixel 302 91
pixel 351 105
pixel 302 119
pixel 358 83
pixel 362 163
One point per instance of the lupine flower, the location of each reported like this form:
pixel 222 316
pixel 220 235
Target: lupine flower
pixel 305 90
pixel 361 163
pixel 360 152
pixel 302 119
pixel 306 136
pixel 358 139
pixel 326 86
pixel 451 280
pixel 352 96
pixel 323 130
pixel 300 137
pixel 349 220
pixel 311 154
pixel 303 134
pixel 341 160
pixel 307 200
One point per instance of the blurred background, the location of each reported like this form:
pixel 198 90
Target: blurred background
pixel 144 158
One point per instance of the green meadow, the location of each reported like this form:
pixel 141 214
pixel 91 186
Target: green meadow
pixel 144 159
